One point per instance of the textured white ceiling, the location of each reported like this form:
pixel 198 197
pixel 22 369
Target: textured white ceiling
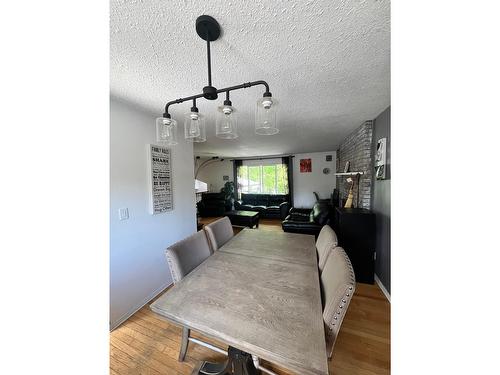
pixel 326 61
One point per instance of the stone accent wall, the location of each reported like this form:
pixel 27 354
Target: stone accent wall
pixel 357 149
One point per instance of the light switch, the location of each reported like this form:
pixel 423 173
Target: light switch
pixel 123 213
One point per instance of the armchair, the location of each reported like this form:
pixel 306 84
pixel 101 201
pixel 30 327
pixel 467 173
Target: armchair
pixel 307 221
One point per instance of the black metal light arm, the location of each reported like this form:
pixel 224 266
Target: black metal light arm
pixel 209 30
pixel 227 89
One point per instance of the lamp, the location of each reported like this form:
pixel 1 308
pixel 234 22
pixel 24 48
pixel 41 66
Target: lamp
pixel 200 186
pixel 166 131
pixel 204 163
pixel 265 115
pixel 226 121
pixel 208 29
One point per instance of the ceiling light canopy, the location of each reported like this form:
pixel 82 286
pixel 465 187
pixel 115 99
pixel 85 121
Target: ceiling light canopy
pixel 226 120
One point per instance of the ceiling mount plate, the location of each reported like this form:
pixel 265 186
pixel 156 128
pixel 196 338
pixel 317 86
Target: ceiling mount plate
pixel 207 28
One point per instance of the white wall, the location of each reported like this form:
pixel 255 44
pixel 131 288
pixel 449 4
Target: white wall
pixel 138 269
pixel 304 184
pixel 213 173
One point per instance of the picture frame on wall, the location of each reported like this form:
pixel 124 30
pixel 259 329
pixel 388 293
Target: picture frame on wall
pixel 305 166
pixel 346 167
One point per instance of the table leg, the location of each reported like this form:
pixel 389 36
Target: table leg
pixel 184 344
pixel 238 363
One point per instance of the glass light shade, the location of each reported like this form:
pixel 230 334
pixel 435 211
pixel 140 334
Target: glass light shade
pixel 203 135
pixel 193 125
pixel 226 122
pixel 265 116
pixel 166 131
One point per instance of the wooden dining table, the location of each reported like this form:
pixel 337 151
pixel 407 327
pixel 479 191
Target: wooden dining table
pixel 260 294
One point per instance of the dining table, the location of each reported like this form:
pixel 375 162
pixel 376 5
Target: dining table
pixel 260 294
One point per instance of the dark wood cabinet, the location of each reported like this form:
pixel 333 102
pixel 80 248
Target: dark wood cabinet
pixel 355 228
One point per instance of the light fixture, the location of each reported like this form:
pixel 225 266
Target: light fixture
pixel 208 29
pixel 194 125
pixel 265 116
pixel 226 121
pixel 166 131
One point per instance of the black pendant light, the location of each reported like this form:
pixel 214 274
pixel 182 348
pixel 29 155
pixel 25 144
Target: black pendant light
pixel 226 124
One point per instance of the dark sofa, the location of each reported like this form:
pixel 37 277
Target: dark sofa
pixel 268 205
pixel 214 204
pixel 308 221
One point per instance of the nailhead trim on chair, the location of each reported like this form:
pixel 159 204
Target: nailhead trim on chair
pixel 345 301
pixel 175 276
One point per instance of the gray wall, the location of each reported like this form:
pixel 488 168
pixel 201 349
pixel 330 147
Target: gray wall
pixel 381 202
pixel 357 150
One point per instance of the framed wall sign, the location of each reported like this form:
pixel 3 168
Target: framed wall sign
pixel 161 197
pixel 380 159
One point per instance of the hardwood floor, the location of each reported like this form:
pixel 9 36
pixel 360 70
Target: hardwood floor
pixel 148 344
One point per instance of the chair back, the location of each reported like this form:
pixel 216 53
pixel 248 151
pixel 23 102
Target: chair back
pixel 187 254
pixel 337 287
pixel 326 242
pixel 219 232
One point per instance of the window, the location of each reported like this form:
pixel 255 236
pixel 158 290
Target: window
pixel 265 178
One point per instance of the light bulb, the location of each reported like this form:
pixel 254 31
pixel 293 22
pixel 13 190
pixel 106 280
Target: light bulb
pixel 267 103
pixel 265 116
pixel 166 133
pixel 226 122
pixel 194 126
pixel 194 129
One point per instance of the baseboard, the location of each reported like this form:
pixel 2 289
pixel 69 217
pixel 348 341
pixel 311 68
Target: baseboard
pixel 124 317
pixel 386 293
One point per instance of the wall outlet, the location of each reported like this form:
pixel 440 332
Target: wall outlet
pixel 123 213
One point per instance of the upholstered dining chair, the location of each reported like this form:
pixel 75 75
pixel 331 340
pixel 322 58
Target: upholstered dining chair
pixel 326 242
pixel 337 287
pixel 219 232
pixel 187 254
pixel 183 257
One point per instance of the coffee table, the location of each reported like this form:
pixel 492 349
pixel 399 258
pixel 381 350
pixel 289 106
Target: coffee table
pixel 244 218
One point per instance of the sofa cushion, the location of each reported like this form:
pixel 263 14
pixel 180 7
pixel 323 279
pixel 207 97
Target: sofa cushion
pixel 259 208
pixel 277 199
pixel 300 226
pixel 294 216
pixel 264 199
pixel 255 199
